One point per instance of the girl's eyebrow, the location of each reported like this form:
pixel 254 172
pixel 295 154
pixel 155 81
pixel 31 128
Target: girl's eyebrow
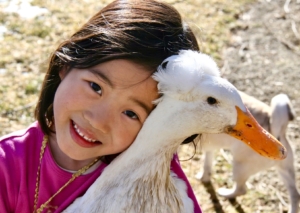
pixel 142 104
pixel 102 76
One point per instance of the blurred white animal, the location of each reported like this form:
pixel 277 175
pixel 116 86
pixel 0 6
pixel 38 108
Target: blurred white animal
pixel 195 100
pixel 245 162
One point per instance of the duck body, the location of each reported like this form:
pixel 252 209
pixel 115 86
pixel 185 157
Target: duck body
pixel 195 100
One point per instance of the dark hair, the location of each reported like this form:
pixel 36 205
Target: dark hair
pixel 144 31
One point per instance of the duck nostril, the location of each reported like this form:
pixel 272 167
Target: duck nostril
pixel 249 125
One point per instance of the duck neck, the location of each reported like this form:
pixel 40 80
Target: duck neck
pixel 147 158
pixel 154 147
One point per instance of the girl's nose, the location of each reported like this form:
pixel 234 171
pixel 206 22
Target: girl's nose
pixel 99 117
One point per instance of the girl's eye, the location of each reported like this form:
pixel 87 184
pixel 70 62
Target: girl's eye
pixel 96 88
pixel 131 114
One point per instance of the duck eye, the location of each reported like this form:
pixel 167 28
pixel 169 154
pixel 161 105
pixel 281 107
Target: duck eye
pixel 211 100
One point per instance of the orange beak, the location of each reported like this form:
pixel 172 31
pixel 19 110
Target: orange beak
pixel 251 133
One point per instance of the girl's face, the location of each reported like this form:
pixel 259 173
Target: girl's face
pixel 99 111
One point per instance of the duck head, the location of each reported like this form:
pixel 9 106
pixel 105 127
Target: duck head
pixel 192 84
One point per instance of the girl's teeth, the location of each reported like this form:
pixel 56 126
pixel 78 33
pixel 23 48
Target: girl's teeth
pixel 82 135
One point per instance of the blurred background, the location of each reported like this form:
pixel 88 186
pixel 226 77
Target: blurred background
pixel 256 44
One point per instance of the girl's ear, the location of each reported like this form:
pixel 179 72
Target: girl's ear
pixel 62 73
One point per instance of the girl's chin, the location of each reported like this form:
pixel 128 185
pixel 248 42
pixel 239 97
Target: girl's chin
pixel 75 161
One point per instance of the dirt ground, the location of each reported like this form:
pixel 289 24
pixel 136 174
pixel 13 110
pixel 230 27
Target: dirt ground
pixel 262 59
pixel 257 48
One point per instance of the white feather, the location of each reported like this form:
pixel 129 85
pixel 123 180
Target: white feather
pixel 183 73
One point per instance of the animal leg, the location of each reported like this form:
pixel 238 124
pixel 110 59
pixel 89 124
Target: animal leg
pixel 205 175
pixel 241 173
pixel 287 172
pixel 282 113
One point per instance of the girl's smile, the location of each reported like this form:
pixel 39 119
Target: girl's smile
pixel 83 135
pixel 99 111
pixel 81 138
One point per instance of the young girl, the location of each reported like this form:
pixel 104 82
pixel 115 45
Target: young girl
pixel 95 97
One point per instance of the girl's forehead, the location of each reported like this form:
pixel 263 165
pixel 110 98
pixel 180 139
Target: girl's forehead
pixel 123 73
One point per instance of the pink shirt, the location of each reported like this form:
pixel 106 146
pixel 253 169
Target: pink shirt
pixel 19 160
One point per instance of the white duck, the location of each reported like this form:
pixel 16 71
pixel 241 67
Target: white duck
pixel 195 100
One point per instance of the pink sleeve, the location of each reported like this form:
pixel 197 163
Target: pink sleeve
pixel 176 168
